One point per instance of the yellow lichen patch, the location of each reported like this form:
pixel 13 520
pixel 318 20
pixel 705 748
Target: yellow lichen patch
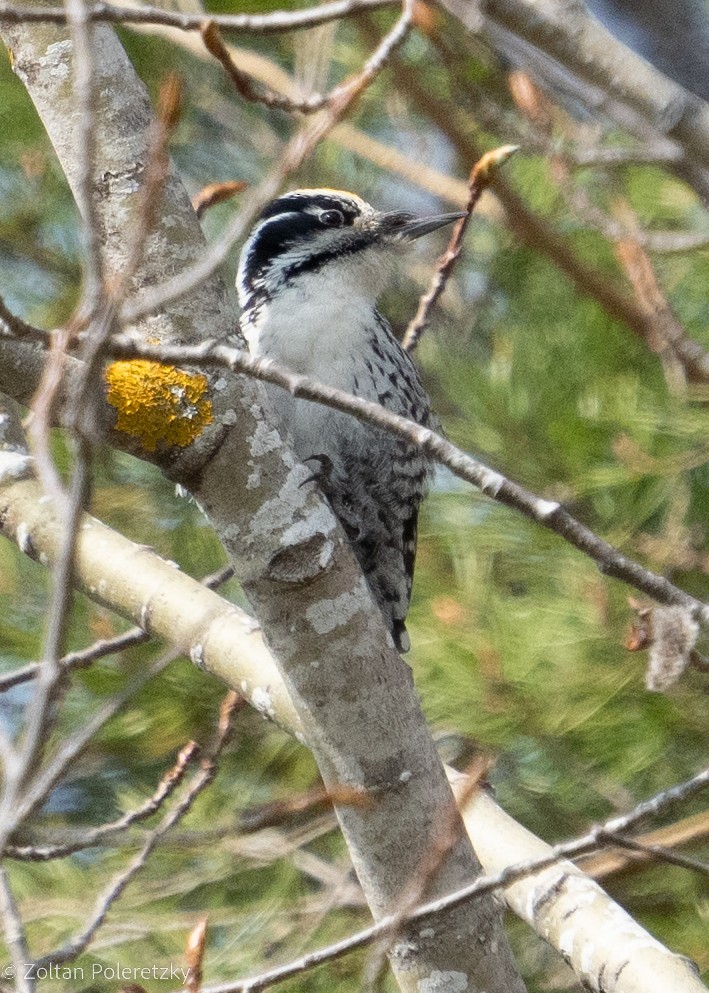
pixel 158 404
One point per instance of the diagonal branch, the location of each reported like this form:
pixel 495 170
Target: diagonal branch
pixel 14 936
pixel 533 229
pixel 565 46
pixel 685 977
pixel 548 514
pixel 296 152
pixel 221 639
pixel 354 85
pixel 97 835
pixel 477 182
pixel 231 705
pixel 84 657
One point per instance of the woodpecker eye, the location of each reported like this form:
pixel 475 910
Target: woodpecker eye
pixel 332 218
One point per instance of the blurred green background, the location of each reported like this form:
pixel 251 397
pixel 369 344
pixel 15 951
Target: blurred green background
pixel 517 638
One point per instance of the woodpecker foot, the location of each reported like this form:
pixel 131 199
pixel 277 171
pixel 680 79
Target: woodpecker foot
pixel 322 474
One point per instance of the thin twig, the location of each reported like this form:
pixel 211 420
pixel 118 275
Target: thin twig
pixel 42 405
pixel 530 227
pixel 80 659
pixel 355 84
pixel 658 853
pixel 216 193
pixel 297 150
pixel 477 182
pixel 84 657
pixel 14 936
pixel 316 799
pixel 689 830
pixel 97 835
pixel 41 711
pixel 549 514
pixel 44 781
pixel 483 885
pixel 664 242
pixel 665 332
pixel 247 87
pixel 231 705
pixel 98 314
pixel 194 954
pixel 274 22
pixel 613 156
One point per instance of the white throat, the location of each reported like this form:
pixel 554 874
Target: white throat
pixel 318 323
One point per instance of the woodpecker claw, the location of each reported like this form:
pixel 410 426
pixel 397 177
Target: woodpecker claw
pixel 323 474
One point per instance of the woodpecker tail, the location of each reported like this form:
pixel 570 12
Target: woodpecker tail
pixel 401 637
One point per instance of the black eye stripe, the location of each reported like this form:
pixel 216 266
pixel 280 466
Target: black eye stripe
pixel 271 239
pixel 299 233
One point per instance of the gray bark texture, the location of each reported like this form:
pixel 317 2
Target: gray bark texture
pixel 561 903
pixel 353 694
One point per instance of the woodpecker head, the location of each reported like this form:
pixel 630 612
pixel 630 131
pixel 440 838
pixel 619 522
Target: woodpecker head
pixel 325 233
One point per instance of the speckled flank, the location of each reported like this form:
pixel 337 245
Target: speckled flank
pixel 160 406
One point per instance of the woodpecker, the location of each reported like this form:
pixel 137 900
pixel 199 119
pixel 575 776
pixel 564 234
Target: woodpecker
pixel 308 280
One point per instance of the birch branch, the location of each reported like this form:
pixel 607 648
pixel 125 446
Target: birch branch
pixel 561 903
pixel 293 561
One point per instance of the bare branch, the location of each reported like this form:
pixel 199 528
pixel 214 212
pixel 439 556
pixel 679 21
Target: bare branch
pixel 479 179
pixel 315 799
pixel 96 836
pixel 595 839
pixel 195 956
pixel 549 514
pixel 36 791
pixel 311 104
pixel 14 935
pixel 82 658
pixel 218 637
pixel 246 87
pixel 296 152
pixel 231 705
pixel 216 193
pixel 18 328
pixel 271 23
pixel 665 332
pixel 688 830
pixel 659 853
pixel 565 46
pixel 533 229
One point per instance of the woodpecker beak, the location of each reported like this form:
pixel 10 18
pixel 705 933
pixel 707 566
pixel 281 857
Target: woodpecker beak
pixel 402 225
